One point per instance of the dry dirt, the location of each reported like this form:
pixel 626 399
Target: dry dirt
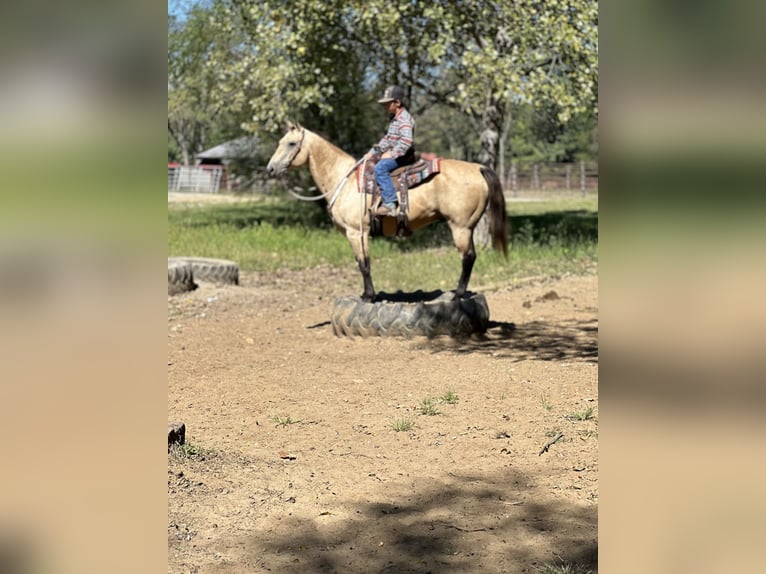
pixel 337 489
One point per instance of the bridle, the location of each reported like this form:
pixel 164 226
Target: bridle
pixel 294 153
pixel 297 148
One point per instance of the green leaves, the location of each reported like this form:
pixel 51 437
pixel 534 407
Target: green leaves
pixel 323 61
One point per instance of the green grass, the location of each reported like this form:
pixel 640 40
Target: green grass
pixel 585 415
pixel 546 239
pixel 189 450
pixel 284 421
pixel 428 407
pixel 449 397
pixel 402 424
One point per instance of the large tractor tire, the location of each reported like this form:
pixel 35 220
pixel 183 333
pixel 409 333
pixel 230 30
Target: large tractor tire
pixel 220 271
pixel 443 316
pixel 180 277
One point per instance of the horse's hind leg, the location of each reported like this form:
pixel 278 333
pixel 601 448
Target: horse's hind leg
pixel 463 238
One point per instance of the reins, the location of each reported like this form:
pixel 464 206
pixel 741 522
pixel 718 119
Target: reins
pixel 303 197
pixel 336 193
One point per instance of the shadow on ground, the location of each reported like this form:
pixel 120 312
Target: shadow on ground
pixel 466 524
pixel 541 340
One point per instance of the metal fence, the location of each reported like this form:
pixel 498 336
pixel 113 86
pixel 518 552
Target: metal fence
pixel 202 179
pixel 581 176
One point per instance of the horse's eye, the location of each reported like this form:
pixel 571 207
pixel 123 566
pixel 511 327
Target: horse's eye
pixel 291 144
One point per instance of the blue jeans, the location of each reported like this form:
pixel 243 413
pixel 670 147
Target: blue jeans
pixel 383 171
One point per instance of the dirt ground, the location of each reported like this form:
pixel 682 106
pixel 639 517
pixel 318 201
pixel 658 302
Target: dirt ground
pixel 293 463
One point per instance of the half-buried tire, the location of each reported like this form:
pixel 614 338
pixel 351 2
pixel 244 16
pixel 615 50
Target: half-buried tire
pixel 221 271
pixel 180 277
pixel 443 316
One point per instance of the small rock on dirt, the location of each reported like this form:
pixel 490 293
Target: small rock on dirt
pixel 549 296
pixel 176 434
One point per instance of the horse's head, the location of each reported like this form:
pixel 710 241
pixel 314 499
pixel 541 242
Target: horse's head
pixel 290 151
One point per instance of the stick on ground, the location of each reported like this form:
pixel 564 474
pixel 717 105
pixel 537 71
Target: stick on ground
pixel 551 442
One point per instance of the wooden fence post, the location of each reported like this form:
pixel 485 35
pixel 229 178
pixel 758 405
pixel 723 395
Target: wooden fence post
pixel 512 177
pixel 582 176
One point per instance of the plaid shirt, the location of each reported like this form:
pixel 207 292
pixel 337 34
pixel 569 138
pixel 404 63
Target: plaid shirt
pixel 401 132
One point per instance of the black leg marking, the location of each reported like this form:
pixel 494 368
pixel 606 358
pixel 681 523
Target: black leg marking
pixel 465 276
pixel 369 290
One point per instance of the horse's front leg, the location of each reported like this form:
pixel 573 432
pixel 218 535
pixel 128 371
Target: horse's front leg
pixel 360 243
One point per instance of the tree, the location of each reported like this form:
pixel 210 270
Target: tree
pixel 193 110
pixel 295 60
pixel 289 57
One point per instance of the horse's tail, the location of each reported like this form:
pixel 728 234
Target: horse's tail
pixel 498 222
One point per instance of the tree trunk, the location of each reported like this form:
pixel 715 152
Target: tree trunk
pixel 178 132
pixel 492 126
pixel 503 145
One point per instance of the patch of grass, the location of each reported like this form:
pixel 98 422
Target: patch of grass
pixel 547 405
pixel 284 421
pixel 189 450
pixel 550 239
pixel 427 407
pixel 402 424
pixel 585 415
pixel 588 433
pixel 449 397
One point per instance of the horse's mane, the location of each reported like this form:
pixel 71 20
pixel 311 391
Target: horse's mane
pixel 328 141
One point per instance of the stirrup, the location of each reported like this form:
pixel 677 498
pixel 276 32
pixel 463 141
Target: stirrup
pixel 384 211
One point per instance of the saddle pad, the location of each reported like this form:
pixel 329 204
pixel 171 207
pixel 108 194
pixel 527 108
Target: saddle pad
pixel 415 173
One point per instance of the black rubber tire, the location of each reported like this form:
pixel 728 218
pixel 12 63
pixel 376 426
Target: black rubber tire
pixel 180 277
pixel 221 271
pixel 443 316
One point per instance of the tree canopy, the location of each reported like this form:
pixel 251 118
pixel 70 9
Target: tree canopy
pixel 484 71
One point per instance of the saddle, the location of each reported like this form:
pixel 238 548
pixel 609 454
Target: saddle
pixel 404 178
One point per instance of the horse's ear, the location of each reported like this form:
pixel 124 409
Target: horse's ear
pixel 290 125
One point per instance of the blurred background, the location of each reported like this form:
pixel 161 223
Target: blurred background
pixel 682 120
pixel 82 235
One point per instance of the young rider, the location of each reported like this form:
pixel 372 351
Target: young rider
pixel 396 147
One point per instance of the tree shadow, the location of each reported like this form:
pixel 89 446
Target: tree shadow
pixel 461 524
pixel 562 227
pixel 567 226
pixel 541 340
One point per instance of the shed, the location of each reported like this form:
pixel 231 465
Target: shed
pixel 244 148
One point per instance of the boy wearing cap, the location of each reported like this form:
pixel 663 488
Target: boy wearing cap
pixel 396 147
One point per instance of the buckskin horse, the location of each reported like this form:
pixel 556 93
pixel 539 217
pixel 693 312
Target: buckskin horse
pixel 458 194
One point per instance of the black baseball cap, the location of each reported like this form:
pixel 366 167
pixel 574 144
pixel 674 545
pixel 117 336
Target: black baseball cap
pixel 392 93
